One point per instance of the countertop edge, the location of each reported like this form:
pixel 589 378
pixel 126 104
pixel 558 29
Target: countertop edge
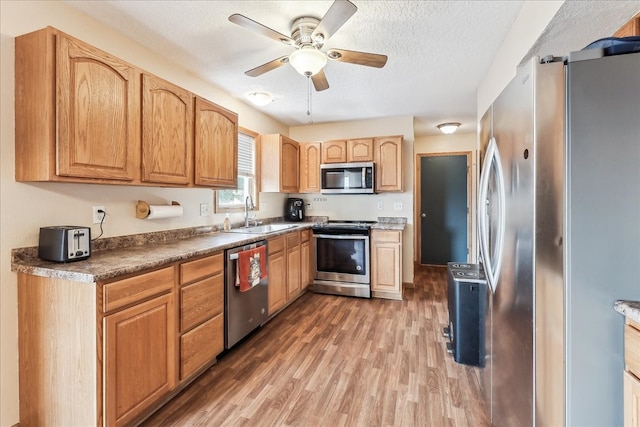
pixel 630 309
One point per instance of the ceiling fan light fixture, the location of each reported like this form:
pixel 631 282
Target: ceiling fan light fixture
pixel 260 98
pixel 308 61
pixel 448 128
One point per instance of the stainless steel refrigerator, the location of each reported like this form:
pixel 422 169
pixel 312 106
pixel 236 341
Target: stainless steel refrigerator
pixel 559 234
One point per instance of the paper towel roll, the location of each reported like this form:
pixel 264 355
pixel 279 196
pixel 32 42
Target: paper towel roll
pixel 147 211
pixel 164 211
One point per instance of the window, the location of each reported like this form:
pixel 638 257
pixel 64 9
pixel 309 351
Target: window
pixel 233 200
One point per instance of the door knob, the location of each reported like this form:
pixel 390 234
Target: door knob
pixel 423 215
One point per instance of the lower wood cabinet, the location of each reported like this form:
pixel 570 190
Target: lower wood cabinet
pixel 109 353
pixel 631 377
pixel 139 347
pixel 386 264
pixel 305 259
pixel 201 313
pixel 288 265
pixel 277 274
pixel 293 265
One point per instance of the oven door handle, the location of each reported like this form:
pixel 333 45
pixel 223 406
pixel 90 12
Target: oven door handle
pixel 342 236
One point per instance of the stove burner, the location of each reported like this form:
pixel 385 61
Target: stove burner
pixel 461 266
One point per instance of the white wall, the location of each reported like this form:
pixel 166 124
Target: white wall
pixel 365 207
pixel 528 26
pixel 25 207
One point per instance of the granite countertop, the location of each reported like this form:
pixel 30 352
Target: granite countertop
pixel 631 309
pixel 117 256
pixel 390 223
pixel 130 254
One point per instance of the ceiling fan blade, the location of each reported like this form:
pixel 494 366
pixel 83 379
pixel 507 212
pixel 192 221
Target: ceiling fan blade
pixel 359 58
pixel 339 13
pixel 250 24
pixel 319 80
pixel 271 65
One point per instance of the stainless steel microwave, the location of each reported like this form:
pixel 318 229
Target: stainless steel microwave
pixel 347 178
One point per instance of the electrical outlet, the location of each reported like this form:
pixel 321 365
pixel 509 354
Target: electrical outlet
pixel 98 216
pixel 380 206
pixel 204 209
pixel 309 206
pixel 397 206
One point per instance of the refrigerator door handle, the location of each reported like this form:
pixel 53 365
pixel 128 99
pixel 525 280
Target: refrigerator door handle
pixel 502 218
pixel 492 267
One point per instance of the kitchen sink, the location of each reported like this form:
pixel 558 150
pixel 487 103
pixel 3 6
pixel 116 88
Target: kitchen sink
pixel 263 229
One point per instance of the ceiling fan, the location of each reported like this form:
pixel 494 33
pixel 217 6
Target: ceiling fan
pixel 308 35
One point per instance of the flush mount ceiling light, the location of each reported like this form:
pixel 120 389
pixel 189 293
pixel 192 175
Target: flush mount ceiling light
pixel 260 98
pixel 308 60
pixel 448 127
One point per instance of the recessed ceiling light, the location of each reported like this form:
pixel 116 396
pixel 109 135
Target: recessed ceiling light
pixel 260 98
pixel 448 127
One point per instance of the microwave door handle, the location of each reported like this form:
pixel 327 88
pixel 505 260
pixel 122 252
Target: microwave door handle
pixel 363 178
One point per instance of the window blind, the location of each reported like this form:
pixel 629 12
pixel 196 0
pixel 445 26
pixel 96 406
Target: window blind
pixel 245 154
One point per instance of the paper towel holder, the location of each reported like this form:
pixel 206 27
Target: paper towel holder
pixel 143 209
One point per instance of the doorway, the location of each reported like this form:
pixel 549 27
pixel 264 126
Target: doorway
pixel 442 207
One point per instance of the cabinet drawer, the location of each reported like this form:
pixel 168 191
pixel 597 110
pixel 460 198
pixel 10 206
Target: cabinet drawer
pixel 304 235
pixel 293 239
pixel 632 349
pixel 137 288
pixel 200 301
pixel 194 270
pixel 201 345
pixel 275 245
pixel 386 236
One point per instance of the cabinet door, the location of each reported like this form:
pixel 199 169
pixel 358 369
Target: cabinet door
pixel 167 132
pixel 216 146
pixel 631 395
pixel 310 167
pixel 360 150
pixel 388 158
pixel 201 345
pixel 334 151
pixel 277 281
pixel 305 265
pixel 293 265
pixel 386 262
pixel 139 359
pixel 97 113
pixel 289 172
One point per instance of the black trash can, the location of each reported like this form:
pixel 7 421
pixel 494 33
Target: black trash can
pixel 467 304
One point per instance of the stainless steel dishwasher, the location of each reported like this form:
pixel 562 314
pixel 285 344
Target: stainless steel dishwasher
pixel 243 311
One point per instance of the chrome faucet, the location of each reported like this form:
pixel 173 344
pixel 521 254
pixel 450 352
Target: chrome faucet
pixel 248 205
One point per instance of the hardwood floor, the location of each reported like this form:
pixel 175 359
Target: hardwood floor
pixel 340 361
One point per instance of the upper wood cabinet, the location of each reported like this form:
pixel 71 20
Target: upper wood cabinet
pixel 631 28
pixel 83 115
pixel 334 151
pixel 279 164
pixel 310 157
pixel 76 111
pixel 360 150
pixel 167 132
pixel 388 158
pixel 216 145
pixel 350 150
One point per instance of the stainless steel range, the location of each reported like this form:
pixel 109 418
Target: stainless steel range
pixel 342 264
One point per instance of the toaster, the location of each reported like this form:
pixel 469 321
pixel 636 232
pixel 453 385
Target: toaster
pixel 62 243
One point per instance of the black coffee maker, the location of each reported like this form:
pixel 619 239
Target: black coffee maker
pixel 294 209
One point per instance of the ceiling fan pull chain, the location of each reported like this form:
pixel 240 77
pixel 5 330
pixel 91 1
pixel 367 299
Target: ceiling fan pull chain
pixel 309 99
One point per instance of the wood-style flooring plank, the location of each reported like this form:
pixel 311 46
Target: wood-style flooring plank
pixel 339 361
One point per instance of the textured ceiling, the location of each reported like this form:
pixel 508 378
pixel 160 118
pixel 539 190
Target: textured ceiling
pixel 438 51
